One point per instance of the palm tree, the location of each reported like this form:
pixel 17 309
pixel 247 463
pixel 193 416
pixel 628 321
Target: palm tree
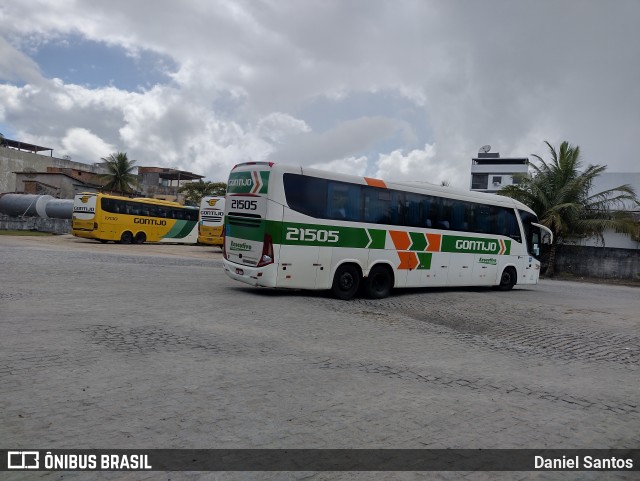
pixel 195 191
pixel 560 193
pixel 120 176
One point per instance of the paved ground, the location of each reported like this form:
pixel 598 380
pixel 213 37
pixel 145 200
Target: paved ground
pixel 154 347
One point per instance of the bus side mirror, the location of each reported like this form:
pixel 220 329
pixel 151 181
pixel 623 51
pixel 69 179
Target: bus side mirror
pixel 547 235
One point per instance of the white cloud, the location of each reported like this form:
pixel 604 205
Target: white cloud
pixel 349 165
pixel 346 139
pixel 510 74
pixel 85 144
pixel 277 125
pixel 418 165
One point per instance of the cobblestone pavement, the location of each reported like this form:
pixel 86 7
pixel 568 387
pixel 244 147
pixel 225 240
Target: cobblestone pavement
pixel 114 349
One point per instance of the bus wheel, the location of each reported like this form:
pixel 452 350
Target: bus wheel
pixel 345 282
pixel 508 279
pixel 141 238
pixel 126 238
pixel 379 283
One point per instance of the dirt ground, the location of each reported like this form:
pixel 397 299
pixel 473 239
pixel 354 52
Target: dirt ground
pixel 69 242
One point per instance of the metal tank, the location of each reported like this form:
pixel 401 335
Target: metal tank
pixel 59 208
pixel 30 205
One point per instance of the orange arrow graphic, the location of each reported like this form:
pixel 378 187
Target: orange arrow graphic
pixel 401 240
pixel 433 242
pixel 408 260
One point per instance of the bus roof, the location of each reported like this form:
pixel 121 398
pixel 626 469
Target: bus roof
pixel 406 186
pixel 146 200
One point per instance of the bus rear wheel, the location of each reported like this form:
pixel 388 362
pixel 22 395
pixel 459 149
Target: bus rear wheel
pixel 508 279
pixel 126 238
pixel 141 238
pixel 346 282
pixel 379 283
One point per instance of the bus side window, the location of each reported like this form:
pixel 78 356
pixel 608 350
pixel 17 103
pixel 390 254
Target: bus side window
pixel 482 218
pixel 305 194
pixel 192 214
pixel 397 208
pixel 457 216
pixel 343 201
pixel 443 213
pixel 377 205
pixel 137 208
pixel 426 204
pixel 414 210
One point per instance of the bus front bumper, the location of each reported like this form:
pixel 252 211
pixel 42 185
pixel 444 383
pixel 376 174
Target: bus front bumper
pixel 255 276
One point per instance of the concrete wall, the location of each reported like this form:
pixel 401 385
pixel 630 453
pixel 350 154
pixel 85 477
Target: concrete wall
pixel 56 226
pixel 601 262
pixel 611 239
pixel 12 160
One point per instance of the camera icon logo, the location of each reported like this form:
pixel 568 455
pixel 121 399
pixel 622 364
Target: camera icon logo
pixel 23 459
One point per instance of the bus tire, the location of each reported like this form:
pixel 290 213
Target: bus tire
pixel 140 238
pixel 379 283
pixel 508 279
pixel 345 282
pixel 126 238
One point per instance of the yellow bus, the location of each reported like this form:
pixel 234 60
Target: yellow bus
pixel 121 219
pixel 211 221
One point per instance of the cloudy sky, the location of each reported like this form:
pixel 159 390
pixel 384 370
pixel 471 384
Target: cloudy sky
pixel 398 89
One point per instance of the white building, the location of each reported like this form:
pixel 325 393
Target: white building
pixel 490 172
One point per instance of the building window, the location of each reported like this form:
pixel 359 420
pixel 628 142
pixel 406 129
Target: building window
pixel 479 181
pixel 497 180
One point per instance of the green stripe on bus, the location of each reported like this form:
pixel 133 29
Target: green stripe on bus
pixel 244 182
pixel 418 241
pixel 424 259
pixel 473 245
pixel 189 225
pixel 247 232
pixel 295 233
pixel 378 238
pixel 180 229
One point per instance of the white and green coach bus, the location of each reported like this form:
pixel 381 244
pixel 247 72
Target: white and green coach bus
pixel 302 228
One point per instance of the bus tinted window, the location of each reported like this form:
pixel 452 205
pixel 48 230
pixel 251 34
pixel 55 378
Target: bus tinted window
pixel 328 199
pixel 343 201
pixel 119 206
pixel 307 195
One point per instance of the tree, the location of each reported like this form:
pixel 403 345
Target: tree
pixel 560 193
pixel 195 191
pixel 119 176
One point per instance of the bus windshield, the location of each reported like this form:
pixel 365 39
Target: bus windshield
pixel 533 233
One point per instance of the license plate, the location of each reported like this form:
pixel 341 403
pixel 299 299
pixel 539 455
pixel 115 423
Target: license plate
pixel 240 272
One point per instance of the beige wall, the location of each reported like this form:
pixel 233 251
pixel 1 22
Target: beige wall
pixel 12 160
